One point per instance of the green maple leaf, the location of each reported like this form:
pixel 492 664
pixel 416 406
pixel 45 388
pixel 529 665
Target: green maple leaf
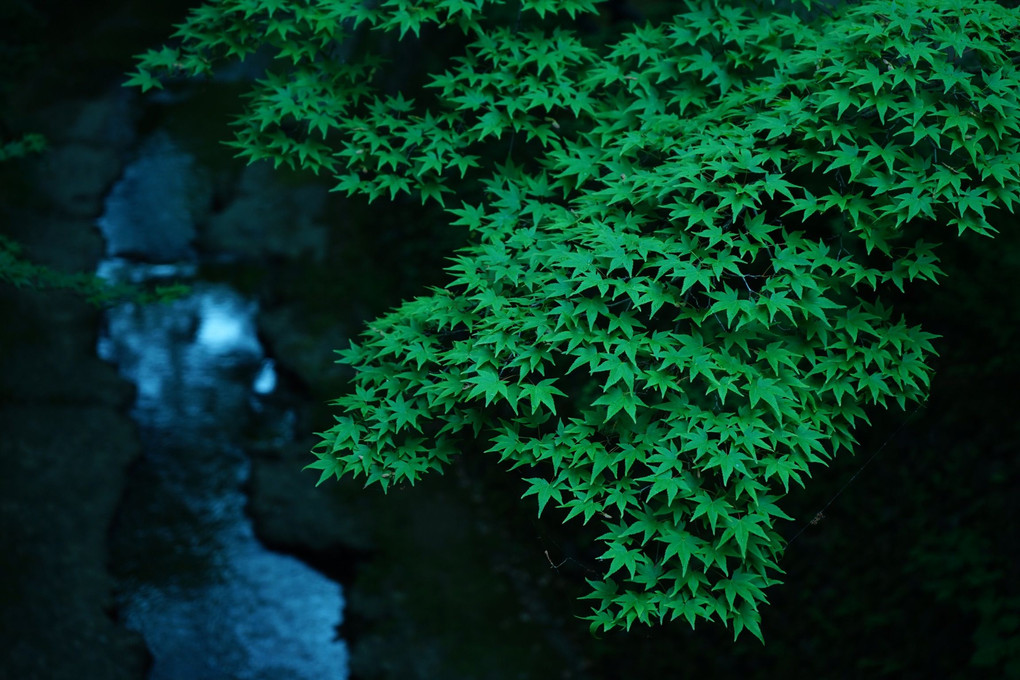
pixel 544 491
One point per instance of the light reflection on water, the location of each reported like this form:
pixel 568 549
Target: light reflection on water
pixel 210 600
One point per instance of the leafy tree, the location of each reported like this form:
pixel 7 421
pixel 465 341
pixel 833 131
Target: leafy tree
pixel 685 237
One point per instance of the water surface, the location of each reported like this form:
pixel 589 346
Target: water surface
pixel 211 601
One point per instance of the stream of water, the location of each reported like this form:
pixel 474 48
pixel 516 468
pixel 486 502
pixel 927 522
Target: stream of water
pixel 211 601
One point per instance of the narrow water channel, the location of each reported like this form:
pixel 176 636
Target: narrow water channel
pixel 211 601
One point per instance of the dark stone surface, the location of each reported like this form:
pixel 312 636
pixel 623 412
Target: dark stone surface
pixel 62 469
pixel 66 445
pixel 293 515
pixel 51 358
pixel 268 219
pixel 67 441
pixel 309 353
pixel 75 177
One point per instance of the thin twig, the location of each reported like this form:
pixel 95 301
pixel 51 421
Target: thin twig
pixel 820 515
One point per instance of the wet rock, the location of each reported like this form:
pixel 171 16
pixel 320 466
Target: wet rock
pixel 269 219
pixel 75 177
pixel 47 348
pixel 441 599
pixel 164 176
pixel 39 364
pixel 62 469
pixel 105 120
pixel 293 515
pixel 309 353
pixel 66 441
pixel 67 245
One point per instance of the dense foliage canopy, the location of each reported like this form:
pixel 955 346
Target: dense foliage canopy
pixel 684 236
